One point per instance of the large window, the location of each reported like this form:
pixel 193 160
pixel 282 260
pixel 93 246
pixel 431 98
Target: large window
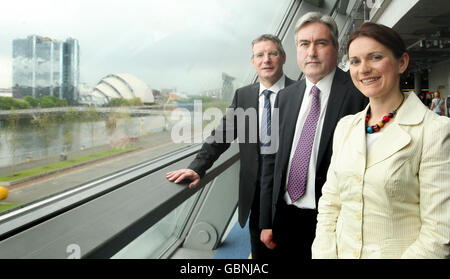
pixel 89 88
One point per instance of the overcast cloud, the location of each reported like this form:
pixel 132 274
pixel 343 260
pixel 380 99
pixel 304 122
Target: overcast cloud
pixel 167 43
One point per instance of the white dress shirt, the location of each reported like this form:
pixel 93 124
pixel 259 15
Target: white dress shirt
pixel 308 200
pixel 275 89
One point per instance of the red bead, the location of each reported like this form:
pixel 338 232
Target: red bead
pixel 386 118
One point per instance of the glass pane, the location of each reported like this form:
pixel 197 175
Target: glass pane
pixel 88 88
pixel 157 239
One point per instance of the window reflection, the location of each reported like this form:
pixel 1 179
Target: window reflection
pixel 88 88
pixel 157 239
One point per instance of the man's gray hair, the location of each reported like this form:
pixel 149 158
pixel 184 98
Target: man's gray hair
pixel 318 17
pixel 270 37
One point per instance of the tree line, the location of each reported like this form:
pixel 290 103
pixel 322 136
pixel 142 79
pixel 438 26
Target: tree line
pixel 9 103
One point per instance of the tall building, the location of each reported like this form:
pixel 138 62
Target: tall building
pixel 71 70
pixel 43 66
pixel 227 86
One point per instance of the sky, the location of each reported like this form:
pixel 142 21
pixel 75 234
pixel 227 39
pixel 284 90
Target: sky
pixel 167 43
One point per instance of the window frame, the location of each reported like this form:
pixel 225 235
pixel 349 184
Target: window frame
pixel 46 228
pixel 43 229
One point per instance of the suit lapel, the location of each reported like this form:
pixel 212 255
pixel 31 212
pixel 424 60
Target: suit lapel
pixel 253 102
pixel 288 82
pixel 297 99
pixel 395 137
pixel 338 94
pixel 355 148
pixel 390 142
pixel 254 97
pixel 358 133
pixel 289 121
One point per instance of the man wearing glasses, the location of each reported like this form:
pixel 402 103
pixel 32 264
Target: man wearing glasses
pixel 268 58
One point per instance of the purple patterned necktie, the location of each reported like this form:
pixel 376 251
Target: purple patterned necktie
pixel 300 162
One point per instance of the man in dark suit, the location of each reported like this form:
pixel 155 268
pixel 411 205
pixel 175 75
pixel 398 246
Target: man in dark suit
pixel 308 113
pixel 268 58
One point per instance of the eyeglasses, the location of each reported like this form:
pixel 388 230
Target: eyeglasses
pixel 261 55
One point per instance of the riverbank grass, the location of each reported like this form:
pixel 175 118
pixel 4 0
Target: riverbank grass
pixel 7 206
pixel 50 168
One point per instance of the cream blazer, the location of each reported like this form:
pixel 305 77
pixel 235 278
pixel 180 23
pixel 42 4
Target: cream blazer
pixel 393 202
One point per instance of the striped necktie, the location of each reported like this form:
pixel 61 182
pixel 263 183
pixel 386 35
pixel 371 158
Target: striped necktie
pixel 266 120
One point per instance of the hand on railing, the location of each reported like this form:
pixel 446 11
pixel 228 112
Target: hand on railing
pixel 184 174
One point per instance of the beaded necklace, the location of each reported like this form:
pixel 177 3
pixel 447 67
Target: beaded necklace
pixel 375 128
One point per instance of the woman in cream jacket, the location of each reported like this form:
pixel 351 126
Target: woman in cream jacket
pixel 387 193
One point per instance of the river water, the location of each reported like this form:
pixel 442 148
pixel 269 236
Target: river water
pixel 28 143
